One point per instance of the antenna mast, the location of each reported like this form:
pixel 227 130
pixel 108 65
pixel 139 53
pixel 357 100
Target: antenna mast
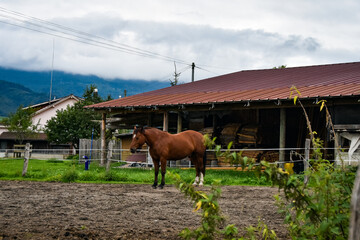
pixel 52 70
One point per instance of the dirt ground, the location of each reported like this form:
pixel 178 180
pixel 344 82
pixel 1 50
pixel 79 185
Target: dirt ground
pixel 42 210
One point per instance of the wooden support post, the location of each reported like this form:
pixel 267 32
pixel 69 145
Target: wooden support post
pixel 179 129
pixel 307 158
pixel 179 123
pixel 109 154
pixel 166 122
pixel 149 120
pixel 26 159
pixel 354 230
pixel 103 139
pixel 214 123
pixel 282 139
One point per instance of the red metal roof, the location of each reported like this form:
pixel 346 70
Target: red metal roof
pixel 252 85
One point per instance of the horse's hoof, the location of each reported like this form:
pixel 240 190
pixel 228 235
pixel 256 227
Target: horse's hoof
pixel 161 186
pixel 154 186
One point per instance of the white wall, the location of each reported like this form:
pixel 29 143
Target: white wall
pixel 51 112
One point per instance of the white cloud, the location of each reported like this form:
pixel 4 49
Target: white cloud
pixel 228 35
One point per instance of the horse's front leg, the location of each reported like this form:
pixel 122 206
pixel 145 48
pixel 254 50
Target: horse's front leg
pixel 156 166
pixel 163 172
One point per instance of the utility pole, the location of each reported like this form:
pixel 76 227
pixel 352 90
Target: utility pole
pixel 193 71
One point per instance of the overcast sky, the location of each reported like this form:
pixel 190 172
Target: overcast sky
pixel 220 36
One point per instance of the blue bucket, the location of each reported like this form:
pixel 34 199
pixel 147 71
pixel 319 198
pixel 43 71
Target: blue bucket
pixel 87 162
pixel 87 165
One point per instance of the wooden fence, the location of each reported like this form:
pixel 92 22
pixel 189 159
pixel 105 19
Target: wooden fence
pixel 93 150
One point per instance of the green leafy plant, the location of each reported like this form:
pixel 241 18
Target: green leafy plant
pixel 71 175
pixel 20 123
pixel 211 217
pixel 262 231
pixel 320 209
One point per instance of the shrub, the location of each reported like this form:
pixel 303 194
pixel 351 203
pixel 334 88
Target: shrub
pixel 71 175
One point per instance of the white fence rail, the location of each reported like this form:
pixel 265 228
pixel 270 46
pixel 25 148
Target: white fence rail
pixel 295 155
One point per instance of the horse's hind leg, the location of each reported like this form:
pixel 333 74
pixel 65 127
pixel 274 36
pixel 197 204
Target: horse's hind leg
pixel 196 182
pixel 201 170
pixel 163 172
pixel 156 166
pixel 197 168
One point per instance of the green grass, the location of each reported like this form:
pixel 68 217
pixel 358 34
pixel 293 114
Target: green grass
pixel 71 171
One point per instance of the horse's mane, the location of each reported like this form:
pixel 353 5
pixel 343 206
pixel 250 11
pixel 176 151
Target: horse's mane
pixel 146 128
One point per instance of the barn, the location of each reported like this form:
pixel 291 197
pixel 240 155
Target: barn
pixel 252 108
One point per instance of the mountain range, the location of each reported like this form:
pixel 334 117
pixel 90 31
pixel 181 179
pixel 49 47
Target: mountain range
pixel 19 87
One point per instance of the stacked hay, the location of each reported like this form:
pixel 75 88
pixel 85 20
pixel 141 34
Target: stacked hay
pixel 248 135
pixel 209 131
pixel 270 156
pixel 228 134
pixel 252 154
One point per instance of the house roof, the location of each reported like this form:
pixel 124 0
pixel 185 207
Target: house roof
pixel 12 136
pixel 334 80
pixel 41 107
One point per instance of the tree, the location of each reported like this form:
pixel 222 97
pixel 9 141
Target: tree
pixel 75 122
pixel 91 95
pixel 20 123
pixel 71 124
pixel 280 67
pixel 176 77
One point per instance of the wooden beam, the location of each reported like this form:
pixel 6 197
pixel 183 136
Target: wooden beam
pixel 282 139
pixel 166 122
pixel 354 232
pixel 149 120
pixel 179 122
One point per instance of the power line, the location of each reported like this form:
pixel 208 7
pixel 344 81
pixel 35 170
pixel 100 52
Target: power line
pixel 58 30
pixel 206 70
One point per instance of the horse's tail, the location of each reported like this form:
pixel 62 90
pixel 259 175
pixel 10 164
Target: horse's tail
pixel 204 162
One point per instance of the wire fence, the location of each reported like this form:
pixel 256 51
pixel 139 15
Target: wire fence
pixel 143 158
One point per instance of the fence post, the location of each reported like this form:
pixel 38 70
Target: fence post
pixel 103 139
pixel 307 158
pixel 354 230
pixel 109 154
pixel 26 159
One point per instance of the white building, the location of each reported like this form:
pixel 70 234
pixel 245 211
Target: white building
pixel 46 110
pixel 43 112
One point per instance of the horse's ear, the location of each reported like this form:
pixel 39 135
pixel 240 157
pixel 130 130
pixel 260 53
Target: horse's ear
pixel 139 128
pixel 142 129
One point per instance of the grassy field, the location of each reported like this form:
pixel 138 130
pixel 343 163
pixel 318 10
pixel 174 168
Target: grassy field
pixel 71 171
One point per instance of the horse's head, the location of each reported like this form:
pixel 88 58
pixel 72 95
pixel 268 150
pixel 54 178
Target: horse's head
pixel 138 139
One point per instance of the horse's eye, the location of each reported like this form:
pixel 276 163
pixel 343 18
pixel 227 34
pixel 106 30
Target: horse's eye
pixel 137 138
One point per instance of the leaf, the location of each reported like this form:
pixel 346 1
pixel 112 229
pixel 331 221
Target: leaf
pixel 322 105
pixel 245 161
pixel 229 145
pixel 204 195
pixel 234 156
pixel 198 206
pixel 295 98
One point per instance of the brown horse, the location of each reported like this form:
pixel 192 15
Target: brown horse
pixel 165 146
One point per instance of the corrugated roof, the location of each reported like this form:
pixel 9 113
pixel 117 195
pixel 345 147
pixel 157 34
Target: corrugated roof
pixel 252 85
